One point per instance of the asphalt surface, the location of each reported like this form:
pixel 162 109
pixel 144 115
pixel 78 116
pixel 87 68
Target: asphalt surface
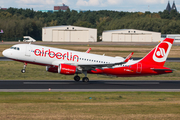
pixel 93 85
pixel 168 59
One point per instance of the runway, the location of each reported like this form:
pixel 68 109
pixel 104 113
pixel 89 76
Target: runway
pixel 135 58
pixel 93 85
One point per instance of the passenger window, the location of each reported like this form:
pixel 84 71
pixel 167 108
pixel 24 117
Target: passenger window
pixel 17 48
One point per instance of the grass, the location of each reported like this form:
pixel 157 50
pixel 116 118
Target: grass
pixel 139 51
pixel 90 105
pixel 11 70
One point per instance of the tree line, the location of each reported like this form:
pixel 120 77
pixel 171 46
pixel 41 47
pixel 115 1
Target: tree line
pixel 17 23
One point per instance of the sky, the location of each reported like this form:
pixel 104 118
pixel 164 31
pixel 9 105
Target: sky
pixel 115 5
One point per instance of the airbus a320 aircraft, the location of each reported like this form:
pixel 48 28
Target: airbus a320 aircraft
pixel 70 62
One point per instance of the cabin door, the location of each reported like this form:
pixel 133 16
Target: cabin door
pixel 28 50
pixel 139 67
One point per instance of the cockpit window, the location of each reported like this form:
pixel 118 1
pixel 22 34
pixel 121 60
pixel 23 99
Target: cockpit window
pixel 15 48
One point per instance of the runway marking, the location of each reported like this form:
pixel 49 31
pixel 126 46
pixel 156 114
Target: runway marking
pixel 47 83
pixel 142 83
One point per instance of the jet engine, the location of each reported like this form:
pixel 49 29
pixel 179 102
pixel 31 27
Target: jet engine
pixel 67 69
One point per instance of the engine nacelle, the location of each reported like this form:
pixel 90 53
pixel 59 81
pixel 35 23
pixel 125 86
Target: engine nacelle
pixel 53 69
pixel 66 69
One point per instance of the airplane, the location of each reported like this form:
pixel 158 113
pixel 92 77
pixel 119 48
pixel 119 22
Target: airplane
pixel 70 62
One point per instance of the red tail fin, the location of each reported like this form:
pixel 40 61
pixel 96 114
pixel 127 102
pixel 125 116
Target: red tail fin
pixel 159 54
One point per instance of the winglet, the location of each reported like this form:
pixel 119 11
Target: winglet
pixel 128 57
pixel 88 50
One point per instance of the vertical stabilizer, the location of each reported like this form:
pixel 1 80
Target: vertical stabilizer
pixel 159 54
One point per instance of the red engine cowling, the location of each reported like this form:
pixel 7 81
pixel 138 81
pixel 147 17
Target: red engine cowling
pixel 66 69
pixel 53 69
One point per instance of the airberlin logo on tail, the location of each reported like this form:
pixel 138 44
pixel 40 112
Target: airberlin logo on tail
pixel 68 55
pixel 162 51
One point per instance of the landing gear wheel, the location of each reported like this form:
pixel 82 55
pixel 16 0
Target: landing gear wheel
pixel 23 70
pixel 85 79
pixel 76 78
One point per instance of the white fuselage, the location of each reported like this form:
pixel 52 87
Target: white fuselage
pixel 54 56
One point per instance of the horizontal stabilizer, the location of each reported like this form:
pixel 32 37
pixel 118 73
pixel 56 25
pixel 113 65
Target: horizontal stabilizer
pixel 162 70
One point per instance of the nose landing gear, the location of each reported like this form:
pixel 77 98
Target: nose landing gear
pixel 24 68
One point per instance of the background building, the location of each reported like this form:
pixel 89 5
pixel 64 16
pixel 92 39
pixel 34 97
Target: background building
pixel 169 8
pixel 69 34
pixel 56 9
pixel 130 35
pixel 64 7
pixel 176 37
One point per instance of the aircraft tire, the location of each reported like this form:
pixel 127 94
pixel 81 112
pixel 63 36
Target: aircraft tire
pixel 23 70
pixel 76 78
pixel 85 79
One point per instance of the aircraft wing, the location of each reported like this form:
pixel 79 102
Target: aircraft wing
pixel 100 66
pixel 93 66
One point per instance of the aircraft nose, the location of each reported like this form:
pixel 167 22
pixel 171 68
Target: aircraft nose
pixel 5 53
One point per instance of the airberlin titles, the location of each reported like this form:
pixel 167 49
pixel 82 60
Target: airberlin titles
pixel 58 55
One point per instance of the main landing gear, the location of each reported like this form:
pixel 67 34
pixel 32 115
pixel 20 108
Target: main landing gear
pixel 85 79
pixel 24 68
pixel 76 78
